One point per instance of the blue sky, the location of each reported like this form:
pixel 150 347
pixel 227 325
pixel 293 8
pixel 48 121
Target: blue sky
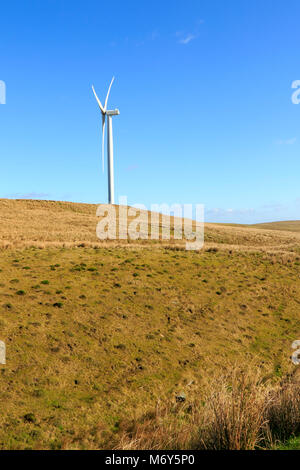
pixel 204 92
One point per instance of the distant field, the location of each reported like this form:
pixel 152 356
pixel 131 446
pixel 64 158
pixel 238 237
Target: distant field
pixel 98 333
pixel 289 225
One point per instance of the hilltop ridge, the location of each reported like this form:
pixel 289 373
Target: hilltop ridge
pixel 38 223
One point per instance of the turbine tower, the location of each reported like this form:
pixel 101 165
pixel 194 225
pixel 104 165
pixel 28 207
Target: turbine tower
pixel 110 148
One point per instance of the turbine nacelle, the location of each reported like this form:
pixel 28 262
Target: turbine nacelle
pixel 113 112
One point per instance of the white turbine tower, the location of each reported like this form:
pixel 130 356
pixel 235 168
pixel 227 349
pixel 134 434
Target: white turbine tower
pixel 110 147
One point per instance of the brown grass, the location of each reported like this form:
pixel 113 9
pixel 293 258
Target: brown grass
pixel 283 412
pixel 240 411
pixel 235 411
pixel 33 223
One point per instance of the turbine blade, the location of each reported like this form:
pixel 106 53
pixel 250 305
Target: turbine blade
pixel 106 100
pixel 99 102
pixel 103 133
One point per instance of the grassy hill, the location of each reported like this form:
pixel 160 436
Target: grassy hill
pixel 288 225
pixel 42 224
pixel 98 333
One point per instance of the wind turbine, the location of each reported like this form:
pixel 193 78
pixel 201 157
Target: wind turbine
pixel 110 147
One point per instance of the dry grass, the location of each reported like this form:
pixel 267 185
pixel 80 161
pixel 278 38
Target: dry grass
pixel 240 411
pixel 283 413
pixel 285 226
pixel 235 409
pixel 32 223
pixel 289 225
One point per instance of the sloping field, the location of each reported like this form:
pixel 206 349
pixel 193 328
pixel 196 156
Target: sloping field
pixel 30 223
pixel 98 333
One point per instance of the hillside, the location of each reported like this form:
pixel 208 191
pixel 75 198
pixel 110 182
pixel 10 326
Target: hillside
pixel 288 225
pixel 31 223
pixel 98 333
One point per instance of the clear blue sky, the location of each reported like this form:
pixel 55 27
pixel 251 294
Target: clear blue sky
pixel 204 92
